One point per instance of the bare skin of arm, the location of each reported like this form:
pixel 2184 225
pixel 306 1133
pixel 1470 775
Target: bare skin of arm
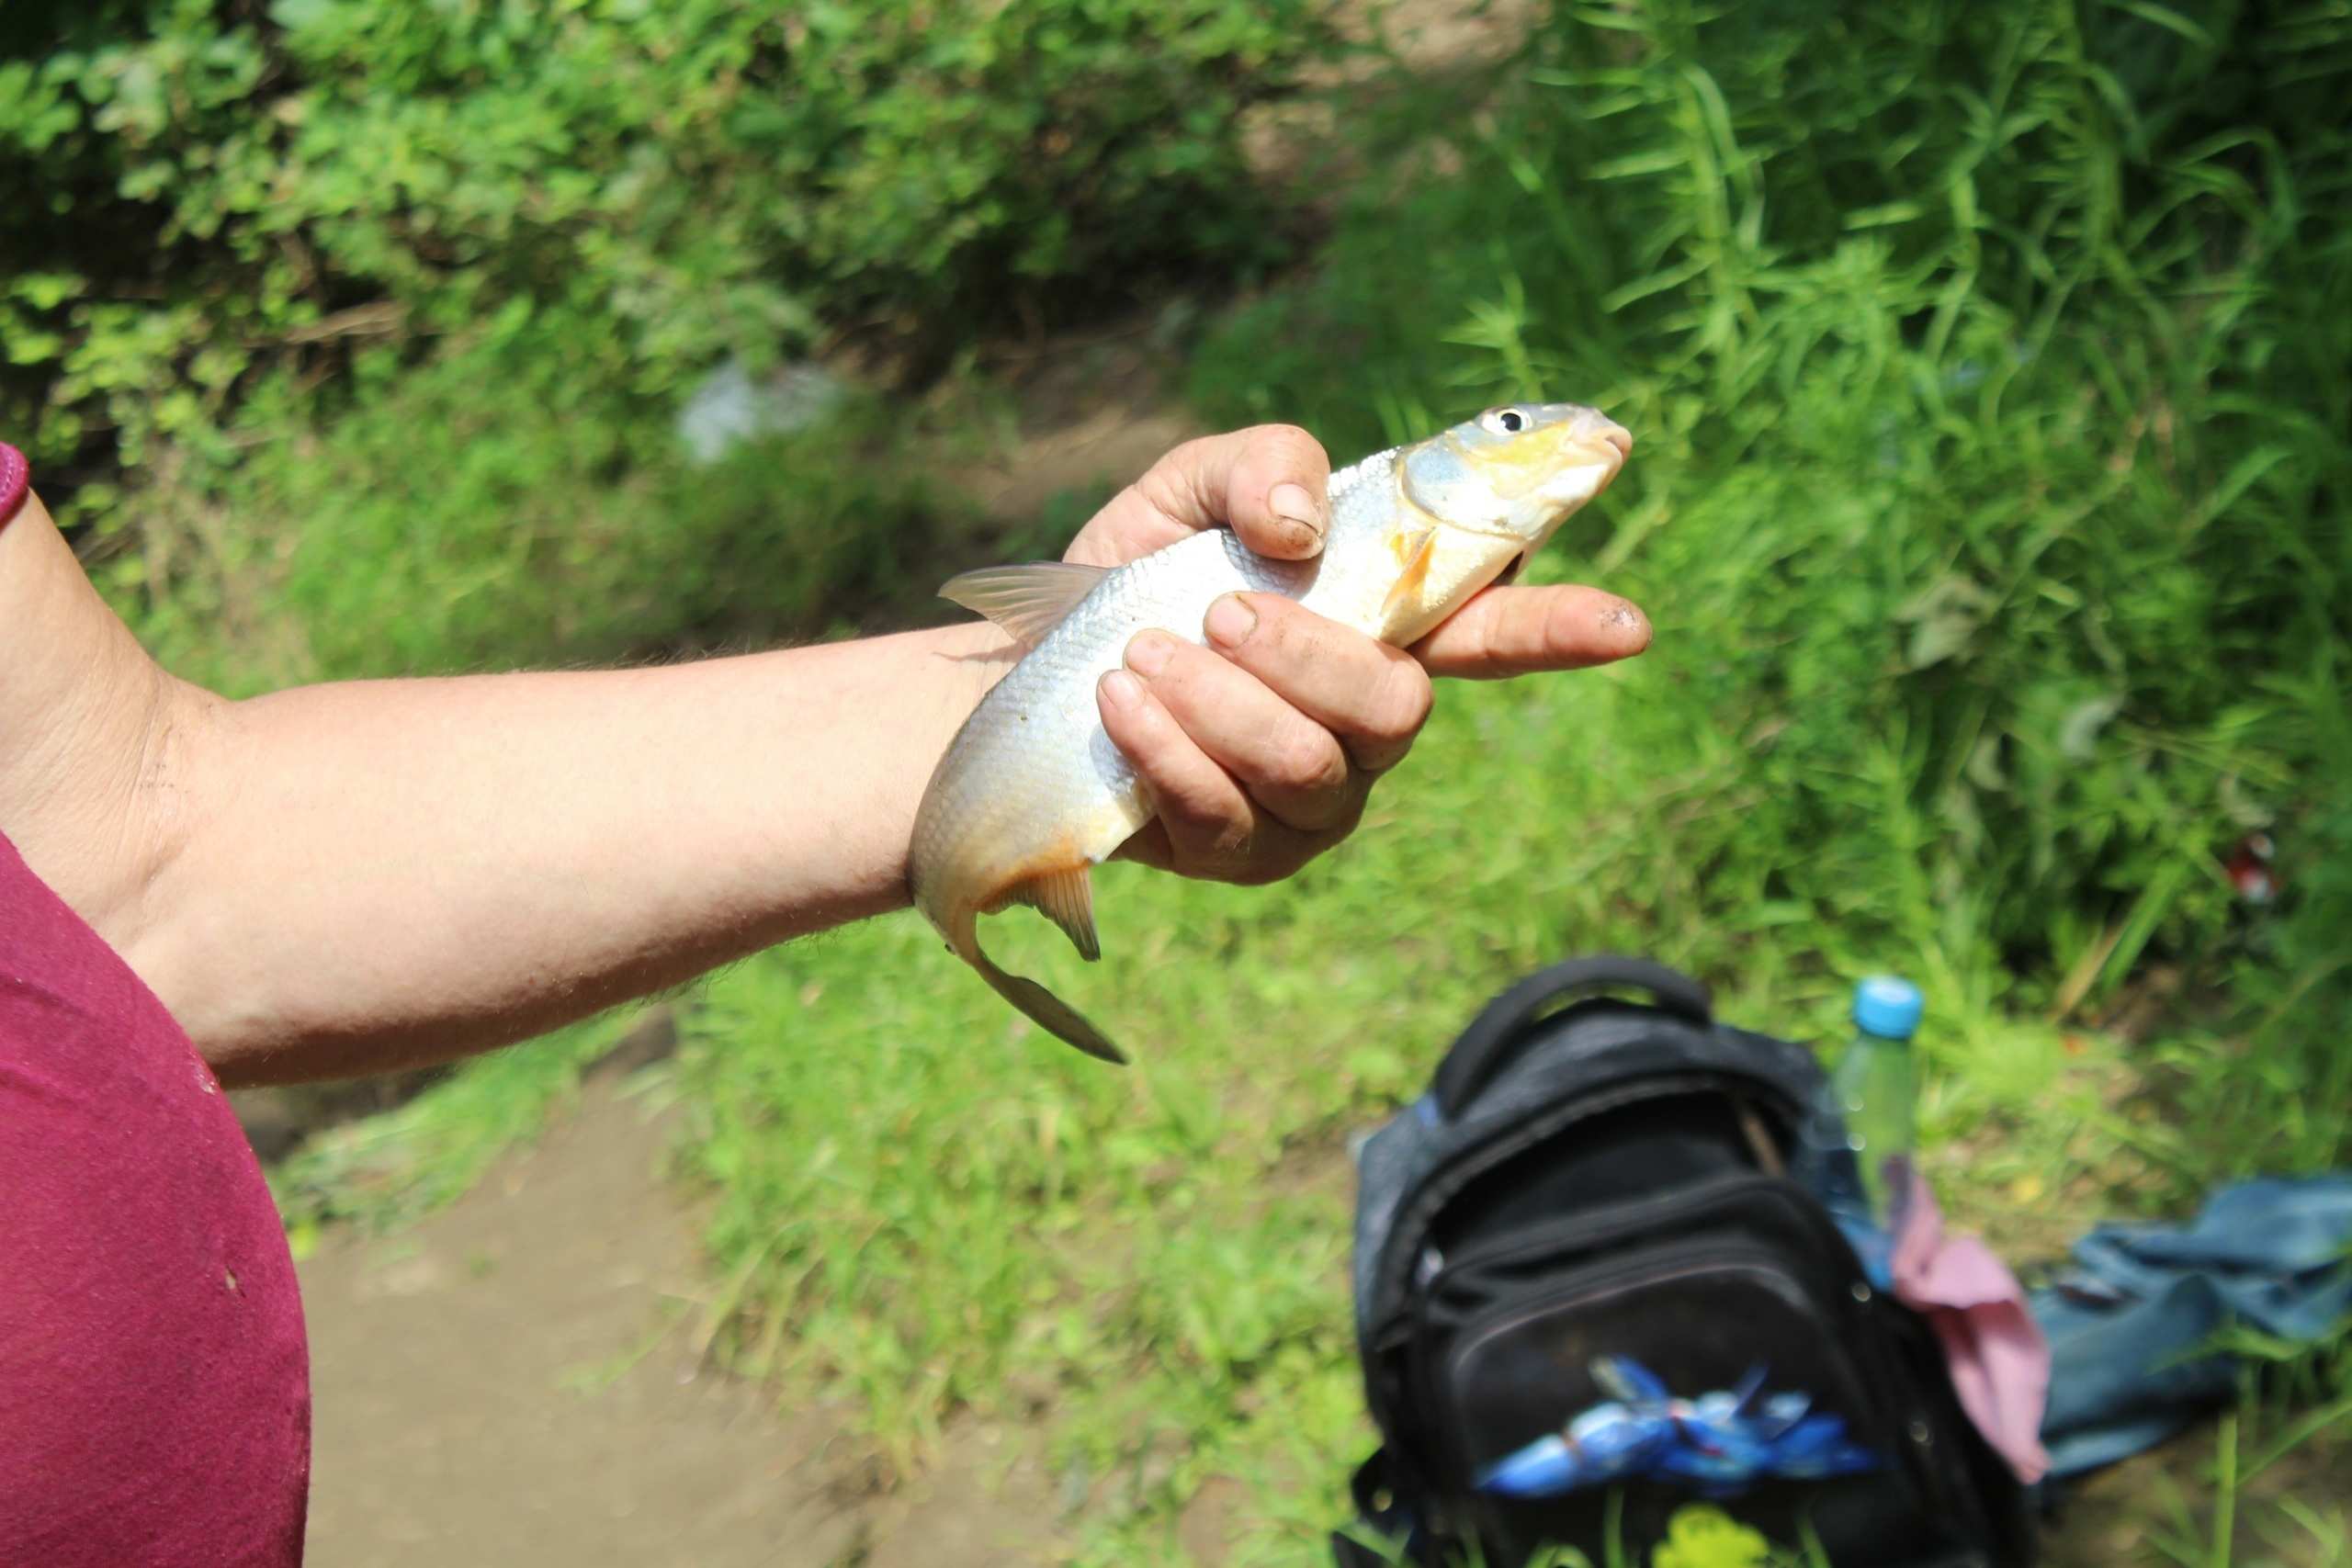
pixel 342 878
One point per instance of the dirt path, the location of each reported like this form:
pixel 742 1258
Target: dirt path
pixel 513 1381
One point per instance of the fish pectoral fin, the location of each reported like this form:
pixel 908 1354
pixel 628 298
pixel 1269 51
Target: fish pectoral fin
pixel 1404 592
pixel 1027 600
pixel 1065 897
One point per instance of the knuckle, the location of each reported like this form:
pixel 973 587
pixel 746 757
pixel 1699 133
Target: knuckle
pixel 1291 639
pixel 1160 488
pixel 1182 456
pixel 1309 760
pixel 1202 811
pixel 1223 843
pixel 1212 817
pixel 1237 845
pixel 1289 445
pixel 1401 704
pixel 1174 484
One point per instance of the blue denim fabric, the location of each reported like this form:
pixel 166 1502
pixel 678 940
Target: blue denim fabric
pixel 2127 1322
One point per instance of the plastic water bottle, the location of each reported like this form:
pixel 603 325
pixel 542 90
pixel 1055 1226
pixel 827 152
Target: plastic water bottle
pixel 1878 1087
pixel 1865 1120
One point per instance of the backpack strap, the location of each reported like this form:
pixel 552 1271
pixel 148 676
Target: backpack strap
pixel 1497 1034
pixel 1382 1509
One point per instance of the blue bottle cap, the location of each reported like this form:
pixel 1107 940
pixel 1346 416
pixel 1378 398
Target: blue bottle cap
pixel 1887 1006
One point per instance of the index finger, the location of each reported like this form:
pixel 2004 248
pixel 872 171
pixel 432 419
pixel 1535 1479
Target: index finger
pixel 1271 483
pixel 1518 631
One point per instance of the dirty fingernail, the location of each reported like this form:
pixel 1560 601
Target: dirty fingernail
pixel 1148 653
pixel 1231 620
pixel 1629 624
pixel 1291 504
pixel 1121 690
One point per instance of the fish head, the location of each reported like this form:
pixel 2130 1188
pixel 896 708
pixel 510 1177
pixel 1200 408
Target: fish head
pixel 1518 472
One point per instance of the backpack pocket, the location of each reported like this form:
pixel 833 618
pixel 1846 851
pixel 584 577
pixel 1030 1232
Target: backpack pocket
pixel 1734 1281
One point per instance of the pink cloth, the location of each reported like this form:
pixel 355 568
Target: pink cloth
pixel 1998 1359
pixel 154 1389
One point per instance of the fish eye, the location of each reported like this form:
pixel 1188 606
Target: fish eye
pixel 1506 422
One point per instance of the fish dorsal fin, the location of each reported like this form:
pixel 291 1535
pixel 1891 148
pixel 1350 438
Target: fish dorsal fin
pixel 1067 898
pixel 1027 600
pixel 1416 548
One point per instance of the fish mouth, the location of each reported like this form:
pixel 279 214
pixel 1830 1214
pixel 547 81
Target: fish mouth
pixel 1601 440
pixel 1592 429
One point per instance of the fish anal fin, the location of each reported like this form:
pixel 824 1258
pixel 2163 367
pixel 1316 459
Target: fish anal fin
pixel 1027 600
pixel 1414 552
pixel 1067 898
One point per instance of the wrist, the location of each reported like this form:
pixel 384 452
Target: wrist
pixel 869 721
pixel 951 668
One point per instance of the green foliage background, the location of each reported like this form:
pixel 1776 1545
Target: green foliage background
pixel 1989 367
pixel 507 235
pixel 1991 364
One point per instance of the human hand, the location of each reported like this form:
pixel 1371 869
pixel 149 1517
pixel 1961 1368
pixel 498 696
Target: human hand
pixel 1260 749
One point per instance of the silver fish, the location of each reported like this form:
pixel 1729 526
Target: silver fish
pixel 1032 794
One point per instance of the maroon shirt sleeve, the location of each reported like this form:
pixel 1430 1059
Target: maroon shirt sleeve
pixel 154 1388
pixel 12 479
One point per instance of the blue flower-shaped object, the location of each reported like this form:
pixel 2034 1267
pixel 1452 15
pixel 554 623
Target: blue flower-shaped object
pixel 1719 1443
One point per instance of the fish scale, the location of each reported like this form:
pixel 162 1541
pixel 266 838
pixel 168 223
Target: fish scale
pixel 1033 792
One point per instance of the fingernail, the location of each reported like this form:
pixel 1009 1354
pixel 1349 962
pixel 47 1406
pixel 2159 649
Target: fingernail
pixel 1300 540
pixel 1292 504
pixel 1629 624
pixel 1148 653
pixel 1121 690
pixel 1231 620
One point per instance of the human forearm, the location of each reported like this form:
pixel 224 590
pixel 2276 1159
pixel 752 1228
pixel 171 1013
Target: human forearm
pixel 342 878
pixel 391 872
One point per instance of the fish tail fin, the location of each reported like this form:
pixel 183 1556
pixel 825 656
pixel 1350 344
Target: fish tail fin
pixel 1048 1011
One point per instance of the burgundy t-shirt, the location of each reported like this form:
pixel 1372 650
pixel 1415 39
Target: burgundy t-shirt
pixel 154 1389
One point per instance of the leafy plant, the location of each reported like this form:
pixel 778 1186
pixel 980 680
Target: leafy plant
pixel 231 194
pixel 1984 361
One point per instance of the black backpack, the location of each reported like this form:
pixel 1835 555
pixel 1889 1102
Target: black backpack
pixel 1608 1178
